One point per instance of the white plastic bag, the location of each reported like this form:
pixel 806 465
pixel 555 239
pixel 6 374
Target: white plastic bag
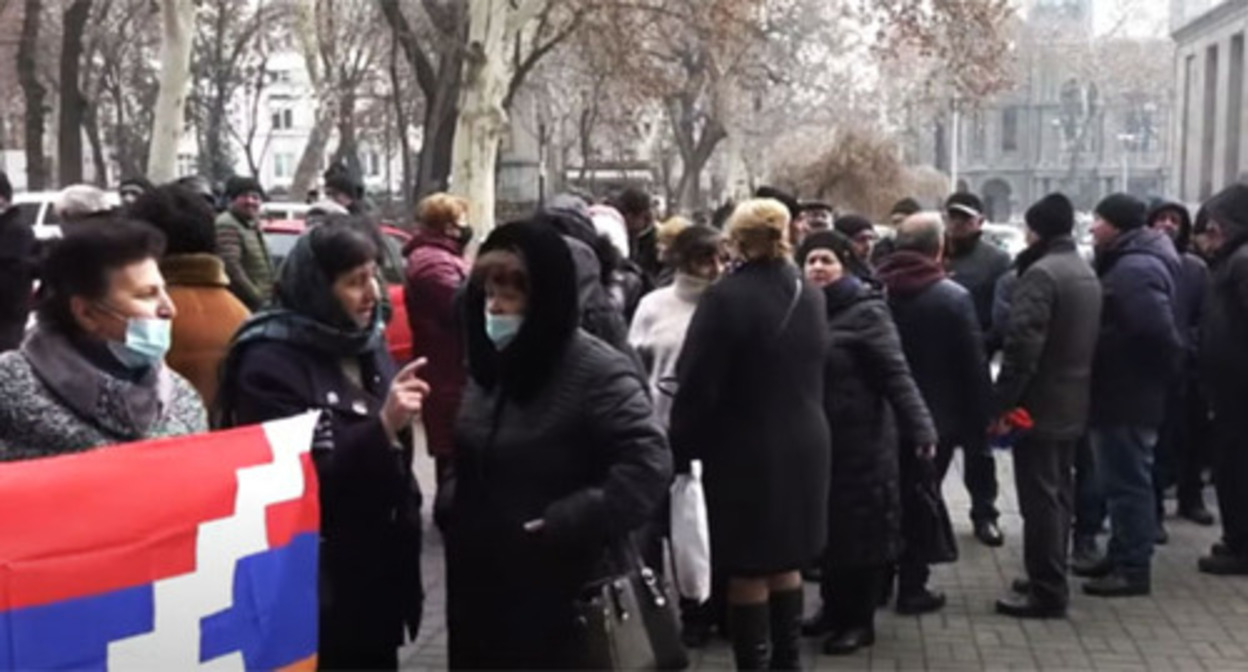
pixel 691 536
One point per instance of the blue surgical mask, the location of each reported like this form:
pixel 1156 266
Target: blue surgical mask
pixel 502 329
pixel 147 342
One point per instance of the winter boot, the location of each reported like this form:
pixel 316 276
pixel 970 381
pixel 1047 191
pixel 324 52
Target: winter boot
pixel 786 630
pixel 750 627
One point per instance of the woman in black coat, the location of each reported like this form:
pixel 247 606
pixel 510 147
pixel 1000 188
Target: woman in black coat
pixel 558 458
pixel 868 388
pixel 750 406
pixel 323 348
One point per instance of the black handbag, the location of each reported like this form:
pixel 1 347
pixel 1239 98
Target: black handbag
pixel 628 621
pixel 933 540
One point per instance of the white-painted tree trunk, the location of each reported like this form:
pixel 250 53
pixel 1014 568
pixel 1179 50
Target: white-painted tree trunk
pixel 177 18
pixel 492 28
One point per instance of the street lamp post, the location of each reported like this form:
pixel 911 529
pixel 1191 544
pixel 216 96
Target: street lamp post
pixel 1127 139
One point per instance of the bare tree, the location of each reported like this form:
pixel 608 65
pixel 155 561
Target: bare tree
pixel 37 173
pixel 72 103
pixel 169 118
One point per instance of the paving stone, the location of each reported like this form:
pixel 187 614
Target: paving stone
pixel 1191 622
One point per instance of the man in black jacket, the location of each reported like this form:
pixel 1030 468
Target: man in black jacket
pixel 1046 369
pixel 17 250
pixel 944 347
pixel 976 265
pixel 1222 226
pixel 1137 358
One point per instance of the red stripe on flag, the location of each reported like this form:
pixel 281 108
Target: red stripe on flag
pixel 143 503
pixel 285 520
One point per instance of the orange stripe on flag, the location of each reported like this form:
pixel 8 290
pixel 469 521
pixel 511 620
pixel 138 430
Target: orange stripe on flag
pixel 306 665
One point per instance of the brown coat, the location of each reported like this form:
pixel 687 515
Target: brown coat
pixel 208 316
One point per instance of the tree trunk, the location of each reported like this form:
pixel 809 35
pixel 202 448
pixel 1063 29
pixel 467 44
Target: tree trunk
pixel 177 21
pixel 441 114
pixel 33 90
pixel 73 106
pixel 401 127
pixel 91 123
pixel 348 150
pixel 482 118
pixel 313 152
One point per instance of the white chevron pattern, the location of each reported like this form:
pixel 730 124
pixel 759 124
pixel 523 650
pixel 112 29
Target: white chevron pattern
pixel 182 601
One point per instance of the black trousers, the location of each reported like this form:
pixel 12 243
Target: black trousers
pixel 851 595
pixel 1182 454
pixel 1231 479
pixel 979 475
pixel 1044 478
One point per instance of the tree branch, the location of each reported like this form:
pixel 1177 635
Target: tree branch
pixel 403 32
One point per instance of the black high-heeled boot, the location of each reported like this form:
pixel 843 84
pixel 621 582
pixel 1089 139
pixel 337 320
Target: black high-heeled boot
pixel 786 630
pixel 750 627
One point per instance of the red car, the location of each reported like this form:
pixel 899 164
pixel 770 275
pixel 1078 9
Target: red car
pixel 281 236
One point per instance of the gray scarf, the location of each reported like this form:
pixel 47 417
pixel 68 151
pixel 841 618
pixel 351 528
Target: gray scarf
pixel 126 409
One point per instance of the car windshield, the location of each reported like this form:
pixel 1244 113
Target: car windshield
pixel 280 244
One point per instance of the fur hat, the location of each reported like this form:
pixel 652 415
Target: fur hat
pixel 241 184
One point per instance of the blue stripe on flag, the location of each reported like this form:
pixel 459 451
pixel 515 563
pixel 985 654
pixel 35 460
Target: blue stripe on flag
pixel 274 616
pixel 73 634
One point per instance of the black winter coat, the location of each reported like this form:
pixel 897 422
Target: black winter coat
pixel 370 502
pixel 945 348
pixel 1224 331
pixel 17 262
pixel 586 455
pixel 1050 338
pixel 1139 350
pixel 750 406
pixel 867 385
pixel 978 269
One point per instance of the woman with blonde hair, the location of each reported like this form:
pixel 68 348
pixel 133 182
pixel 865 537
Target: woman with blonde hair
pixel 749 405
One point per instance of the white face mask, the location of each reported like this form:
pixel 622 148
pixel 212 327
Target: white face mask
pixel 147 342
pixel 502 329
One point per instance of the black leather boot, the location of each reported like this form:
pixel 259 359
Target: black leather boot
pixel 750 627
pixel 786 630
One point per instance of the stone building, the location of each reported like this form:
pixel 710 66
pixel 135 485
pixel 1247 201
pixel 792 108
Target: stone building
pixel 1210 142
pixel 1087 114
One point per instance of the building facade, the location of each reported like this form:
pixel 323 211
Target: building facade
pixel 1211 146
pixel 1084 116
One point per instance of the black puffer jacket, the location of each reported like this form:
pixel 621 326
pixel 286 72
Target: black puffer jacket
pixel 868 388
pixel 558 426
pixel 17 263
pixel 1139 350
pixel 1192 281
pixel 1224 329
pixel 943 343
pixel 750 406
pixel 977 267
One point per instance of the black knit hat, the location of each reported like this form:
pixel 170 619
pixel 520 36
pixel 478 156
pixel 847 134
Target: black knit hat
pixel 6 189
pixel 852 225
pixel 1051 216
pixel 1123 211
pixel 241 184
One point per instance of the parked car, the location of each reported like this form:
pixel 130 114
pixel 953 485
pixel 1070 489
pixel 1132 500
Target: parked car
pixel 281 235
pixel 1007 237
pixel 279 211
pixel 36 210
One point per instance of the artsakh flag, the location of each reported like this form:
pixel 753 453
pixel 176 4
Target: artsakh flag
pixel 177 554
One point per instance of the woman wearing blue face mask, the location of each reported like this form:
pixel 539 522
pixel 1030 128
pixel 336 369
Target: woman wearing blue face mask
pixel 557 457
pixel 92 372
pixel 323 348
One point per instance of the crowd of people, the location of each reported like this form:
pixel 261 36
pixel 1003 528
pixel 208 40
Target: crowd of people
pixel 568 364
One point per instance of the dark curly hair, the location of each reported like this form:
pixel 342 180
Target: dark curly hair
pixel 182 215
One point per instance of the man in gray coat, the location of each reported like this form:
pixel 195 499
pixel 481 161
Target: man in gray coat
pixel 1046 369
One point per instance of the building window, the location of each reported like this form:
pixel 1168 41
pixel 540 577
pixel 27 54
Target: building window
pixel 979 136
pixel 283 119
pixel 283 165
pixel 1009 129
pixel 373 162
pixel 186 165
pixel 280 76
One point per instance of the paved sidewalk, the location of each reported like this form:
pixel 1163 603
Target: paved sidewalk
pixel 1191 621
